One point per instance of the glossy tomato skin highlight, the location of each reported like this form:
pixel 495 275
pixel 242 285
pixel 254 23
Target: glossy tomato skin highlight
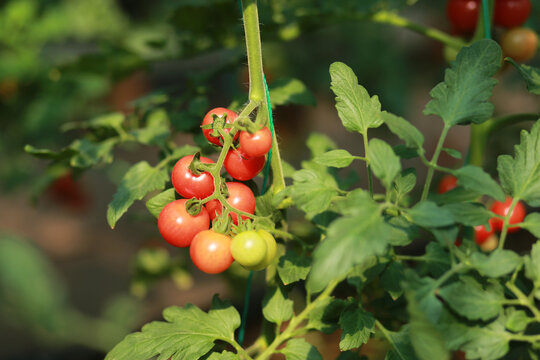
pixel 463 15
pixel 520 44
pixel 447 183
pixel 241 168
pixel 178 227
pixel 256 144
pixel 189 185
pixel 502 208
pixel 240 197
pixel 511 13
pixel 209 119
pixel 211 252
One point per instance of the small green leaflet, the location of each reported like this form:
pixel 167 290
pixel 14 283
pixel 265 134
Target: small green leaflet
pixel 187 333
pixel 384 163
pixel 362 229
pixel 356 109
pixel 357 326
pixel 532 224
pixel 319 143
pixel 313 191
pixel 463 96
pixel 404 130
pixel 406 181
pixel 468 298
pixel 475 179
pixel 520 176
pixel 335 158
pixel 276 307
pixel 226 355
pixel 300 349
pixel 113 121
pixel 47 154
pixel 89 153
pixel 532 264
pixel 290 91
pixel 428 214
pixel 401 345
pixel 452 152
pixel 516 320
pixel 498 263
pixel 325 316
pixel 157 129
pixel 140 179
pixel 293 267
pixel 158 202
pixel 470 214
pixel 391 279
pixel 530 74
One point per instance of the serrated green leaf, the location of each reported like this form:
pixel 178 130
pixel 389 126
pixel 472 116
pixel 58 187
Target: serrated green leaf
pixel 325 316
pixel 391 279
pixel 362 229
pixel 516 320
pixel 187 333
pixel 530 74
pixel 335 158
pixel 532 224
pixel 428 214
pixel 437 259
pixel 402 232
pixel 520 176
pixel 475 179
pixel 158 202
pixel 456 195
pixel 468 298
pixel 140 179
pixel 290 91
pixel 470 214
pixel 313 190
pixel 277 308
pixel 112 121
pixel 404 130
pixel 452 152
pixel 300 349
pixel 356 109
pixel 156 131
pixel 47 154
pixel 383 162
pixel 463 96
pixel 88 153
pixel 293 267
pixel 532 264
pixel 401 345
pixel 496 264
pixel 225 355
pixel 357 326
pixel 405 182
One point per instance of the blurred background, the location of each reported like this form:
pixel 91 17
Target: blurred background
pixel 70 287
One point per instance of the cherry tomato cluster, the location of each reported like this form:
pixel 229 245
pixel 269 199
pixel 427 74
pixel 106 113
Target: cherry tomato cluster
pixel 517 42
pixel 481 232
pixel 210 250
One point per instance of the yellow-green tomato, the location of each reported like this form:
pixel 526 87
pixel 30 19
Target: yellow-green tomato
pixel 271 250
pixel 248 248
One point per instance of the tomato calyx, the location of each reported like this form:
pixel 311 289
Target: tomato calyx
pixel 194 207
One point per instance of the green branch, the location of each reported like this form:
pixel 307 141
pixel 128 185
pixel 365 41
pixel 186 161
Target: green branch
pixel 433 162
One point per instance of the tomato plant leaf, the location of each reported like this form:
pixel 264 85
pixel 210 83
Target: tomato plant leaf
pixel 468 298
pixel 335 158
pixel 470 214
pixel 520 175
pixel 357 326
pixel 187 333
pixel 111 121
pixel 404 130
pixel 401 345
pixel 437 259
pixel 362 228
pixel 286 91
pixel 463 96
pixel 293 267
pixel 158 202
pixel 356 109
pixel 532 224
pixel 383 161
pixel 225 355
pixel 391 279
pixel 496 264
pixel 156 131
pixel 456 195
pixel 428 214
pixel 530 74
pixel 452 152
pixel 313 190
pixel 475 179
pixel 405 182
pixel 532 264
pixel 318 144
pixel 276 307
pixel 516 320
pixel 47 154
pixel 88 153
pixel 140 179
pixel 300 349
pixel 325 316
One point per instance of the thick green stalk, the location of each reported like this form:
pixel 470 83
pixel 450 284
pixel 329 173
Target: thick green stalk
pixel 477 143
pixel 254 51
pixel 433 162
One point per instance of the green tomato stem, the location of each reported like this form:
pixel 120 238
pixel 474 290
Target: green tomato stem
pixel 433 162
pixel 254 51
pixel 368 167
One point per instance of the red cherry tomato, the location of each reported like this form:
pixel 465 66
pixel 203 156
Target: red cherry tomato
pixel 520 44
pixel 211 252
pixel 502 208
pixel 256 144
pixel 240 197
pixel 463 15
pixel 242 168
pixel 447 183
pixel 178 227
pixel 481 234
pixel 511 13
pixel 67 192
pixel 209 119
pixel 190 185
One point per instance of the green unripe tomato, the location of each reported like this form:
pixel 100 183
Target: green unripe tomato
pixel 271 250
pixel 248 248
